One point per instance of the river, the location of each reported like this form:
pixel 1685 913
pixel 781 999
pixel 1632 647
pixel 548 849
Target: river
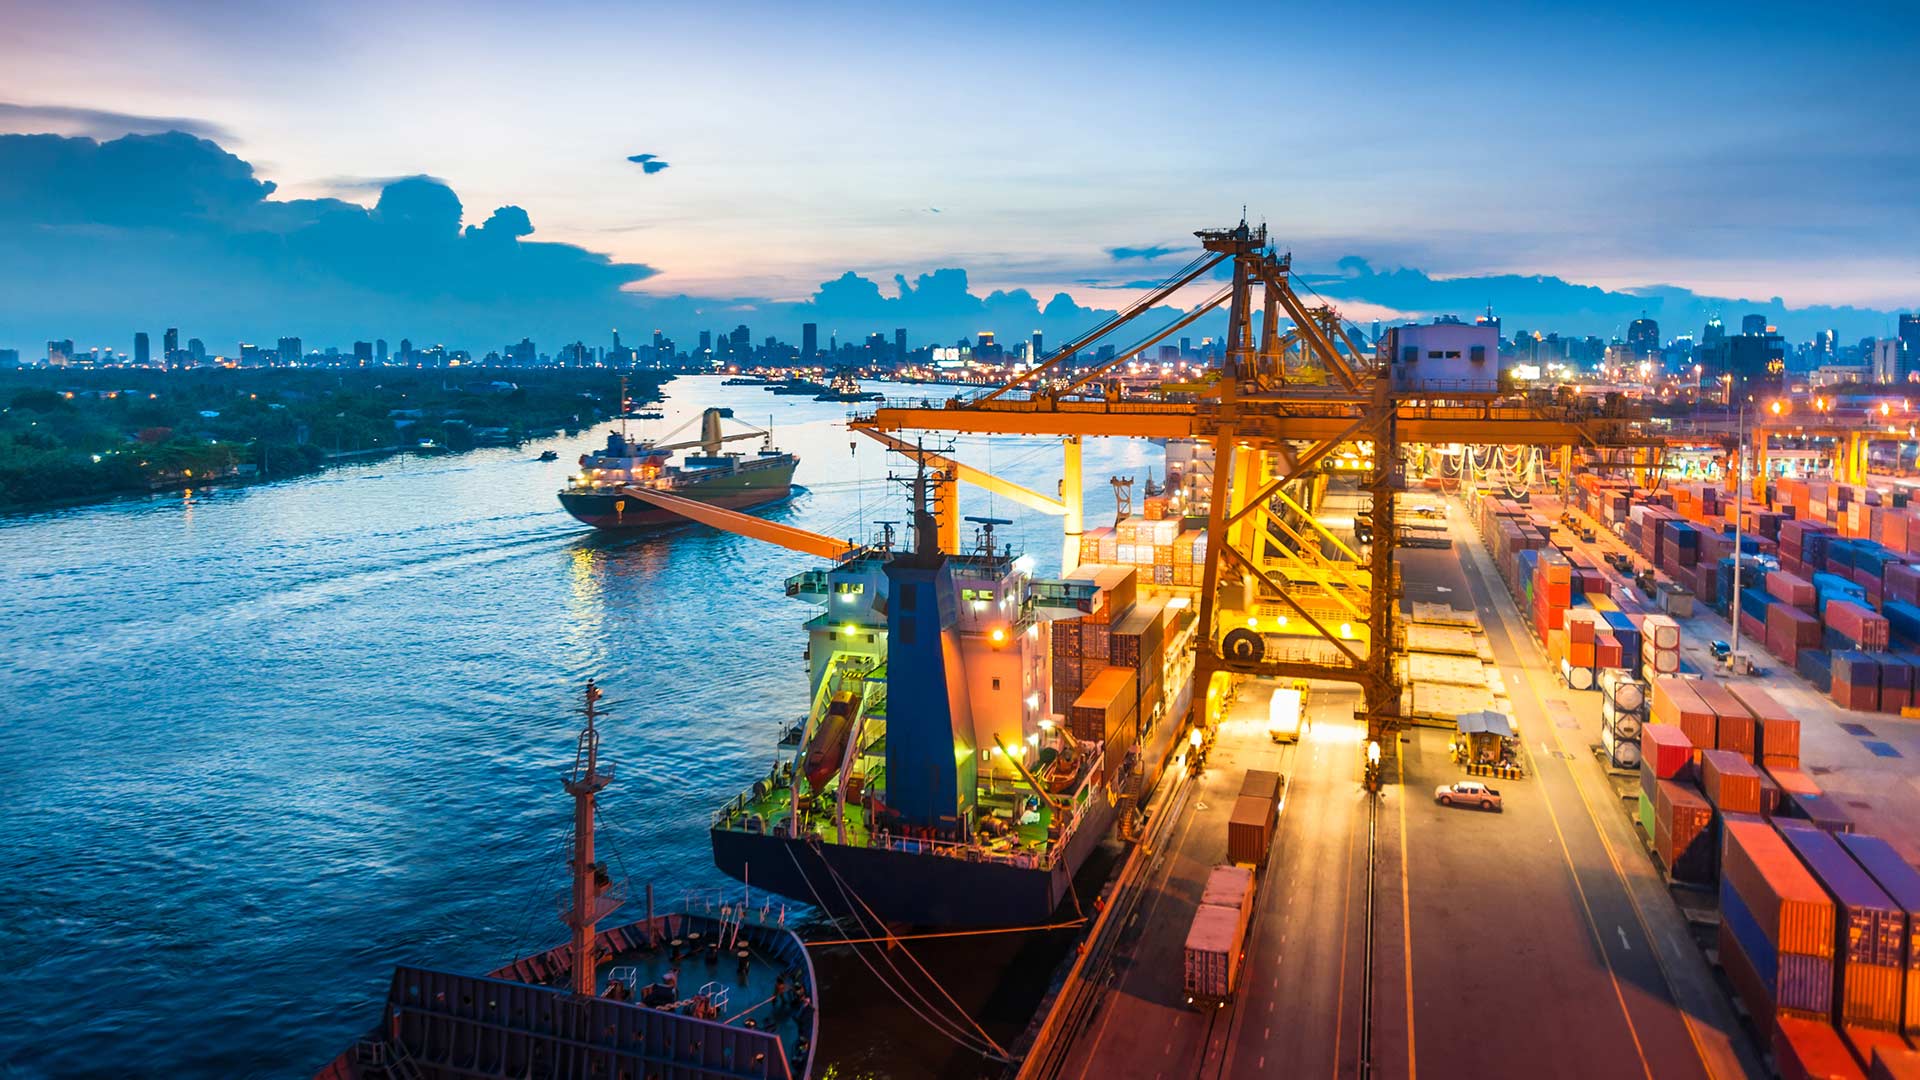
pixel 258 744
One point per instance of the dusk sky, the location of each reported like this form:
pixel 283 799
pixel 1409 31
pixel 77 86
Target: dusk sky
pixel 1734 150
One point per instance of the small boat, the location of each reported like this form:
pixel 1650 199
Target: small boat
pixel 828 747
pixel 549 455
pixel 847 388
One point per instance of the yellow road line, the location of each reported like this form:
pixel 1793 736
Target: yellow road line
pixel 1346 911
pixel 1406 902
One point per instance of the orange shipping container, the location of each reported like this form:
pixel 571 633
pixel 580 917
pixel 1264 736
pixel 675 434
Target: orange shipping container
pixel 1777 731
pixel 1793 911
pixel 1674 702
pixel 1811 1050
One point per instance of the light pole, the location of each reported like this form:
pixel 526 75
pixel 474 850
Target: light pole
pixel 1739 497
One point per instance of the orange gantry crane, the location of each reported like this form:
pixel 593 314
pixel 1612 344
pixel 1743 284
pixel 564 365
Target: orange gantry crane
pixel 1279 411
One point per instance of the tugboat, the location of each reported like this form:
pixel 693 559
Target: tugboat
pixel 715 993
pixel 549 455
pixel 600 494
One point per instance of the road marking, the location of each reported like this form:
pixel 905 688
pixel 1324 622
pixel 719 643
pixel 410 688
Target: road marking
pixel 1406 904
pixel 1624 943
pixel 1266 1033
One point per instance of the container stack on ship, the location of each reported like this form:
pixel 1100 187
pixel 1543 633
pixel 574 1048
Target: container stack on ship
pixel 973 736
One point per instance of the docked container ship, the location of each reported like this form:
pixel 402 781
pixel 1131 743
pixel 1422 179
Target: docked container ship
pixel 974 733
pixel 601 493
pixel 711 991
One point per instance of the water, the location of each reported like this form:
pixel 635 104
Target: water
pixel 259 744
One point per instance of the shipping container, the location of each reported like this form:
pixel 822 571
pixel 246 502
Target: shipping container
pixel 1870 929
pixel 1787 904
pixel 1250 830
pixel 1667 751
pixel 1901 882
pixel 1683 832
pixel 1777 731
pixel 1795 983
pixel 1891 1063
pixel 1868 631
pixel 1215 942
pixel 1261 783
pixel 1674 702
pixel 1730 782
pixel 1733 724
pixel 1811 1050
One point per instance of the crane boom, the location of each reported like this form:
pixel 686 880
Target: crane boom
pixel 756 528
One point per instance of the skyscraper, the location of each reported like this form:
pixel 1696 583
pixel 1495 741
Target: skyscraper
pixel 1910 337
pixel 706 344
pixel 1713 332
pixel 809 340
pixel 1753 324
pixel 140 350
pixel 363 353
pixel 196 351
pixel 380 351
pixel 1037 350
pixel 290 351
pixel 170 345
pixel 1643 337
pixel 900 345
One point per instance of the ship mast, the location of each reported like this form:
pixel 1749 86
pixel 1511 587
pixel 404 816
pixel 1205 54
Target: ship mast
pixel 589 880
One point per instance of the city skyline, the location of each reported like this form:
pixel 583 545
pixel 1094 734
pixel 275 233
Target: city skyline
pixel 796 194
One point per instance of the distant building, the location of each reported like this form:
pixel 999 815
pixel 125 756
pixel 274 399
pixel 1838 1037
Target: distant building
pixel 1643 337
pixel 60 353
pixel 380 351
pixel 523 354
pixel 1889 361
pixel 1910 334
pixel 196 351
pixel 988 351
pixel 9 358
pixel 170 345
pixel 406 351
pixel 809 340
pixel 141 355
pixel 1035 349
pixel 900 345
pixel 706 344
pixel 289 351
pixel 1444 356
pixel 1713 331
pixel 1743 364
pixel 1753 324
pixel 363 353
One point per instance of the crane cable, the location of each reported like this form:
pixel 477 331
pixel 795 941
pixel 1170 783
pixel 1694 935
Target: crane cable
pixel 845 889
pixel 938 1024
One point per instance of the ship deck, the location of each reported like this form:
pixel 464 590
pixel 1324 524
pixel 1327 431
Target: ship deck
pixel 775 807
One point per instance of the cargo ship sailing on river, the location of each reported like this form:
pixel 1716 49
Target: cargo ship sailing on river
pixel 974 732
pixel 603 494
pixel 714 991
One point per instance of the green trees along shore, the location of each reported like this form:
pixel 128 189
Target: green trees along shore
pixel 69 436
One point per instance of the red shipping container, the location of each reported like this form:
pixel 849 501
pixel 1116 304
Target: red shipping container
pixel 1862 697
pixel 1902 581
pixel 1683 832
pixel 1790 589
pixel 1580 627
pixel 1752 627
pixel 1811 1050
pixel 1887 1056
pixel 1730 782
pixel 1781 645
pixel 1668 750
pixel 1776 731
pixel 1800 627
pixel 1606 651
pixel 1858 625
pixel 1733 724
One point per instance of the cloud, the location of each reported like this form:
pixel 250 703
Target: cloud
pixel 368 185
pixel 100 123
pixel 100 239
pixel 1147 252
pixel 649 163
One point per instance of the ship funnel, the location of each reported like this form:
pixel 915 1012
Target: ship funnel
pixel 710 433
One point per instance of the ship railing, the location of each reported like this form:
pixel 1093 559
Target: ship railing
pixel 738 904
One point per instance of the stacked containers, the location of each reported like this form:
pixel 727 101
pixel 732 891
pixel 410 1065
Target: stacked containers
pixel 1683 832
pixel 1790 630
pixel 1896 681
pixel 1623 713
pixel 1869 929
pixel 1218 934
pixel 1856 681
pixel 1852 626
pixel 1733 724
pixel 1622 627
pixel 1665 754
pixel 1810 1050
pixel 1674 702
pixel 1731 783
pixel 1776 731
pixel 1901 882
pixel 1776 926
pixel 1660 645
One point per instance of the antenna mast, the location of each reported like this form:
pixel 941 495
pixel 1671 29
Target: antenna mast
pixel 590 882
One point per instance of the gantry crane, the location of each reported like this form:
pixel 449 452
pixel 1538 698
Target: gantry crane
pixel 1277 410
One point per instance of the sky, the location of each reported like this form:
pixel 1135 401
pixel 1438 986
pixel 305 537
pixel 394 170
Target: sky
pixel 1683 159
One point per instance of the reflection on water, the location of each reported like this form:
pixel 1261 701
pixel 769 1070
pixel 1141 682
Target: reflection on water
pixel 260 744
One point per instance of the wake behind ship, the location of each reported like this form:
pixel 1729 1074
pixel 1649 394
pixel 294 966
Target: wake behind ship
pixel 959 762
pixel 603 494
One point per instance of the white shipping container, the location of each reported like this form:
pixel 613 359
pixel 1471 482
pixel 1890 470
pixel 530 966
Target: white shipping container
pixel 1228 886
pixel 1213 953
pixel 1664 661
pixel 1662 633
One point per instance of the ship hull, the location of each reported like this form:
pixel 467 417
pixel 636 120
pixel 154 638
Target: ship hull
pixel 911 888
pixel 736 491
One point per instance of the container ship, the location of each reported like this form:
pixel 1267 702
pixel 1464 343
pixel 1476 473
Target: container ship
pixel 600 494
pixel 974 733
pixel 710 991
